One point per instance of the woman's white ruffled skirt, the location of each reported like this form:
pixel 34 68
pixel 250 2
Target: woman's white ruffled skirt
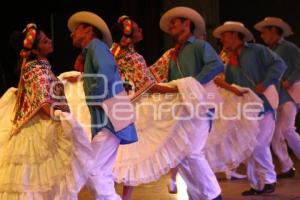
pixel 47 160
pixel 163 126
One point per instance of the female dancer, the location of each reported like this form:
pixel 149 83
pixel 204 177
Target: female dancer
pixel 44 152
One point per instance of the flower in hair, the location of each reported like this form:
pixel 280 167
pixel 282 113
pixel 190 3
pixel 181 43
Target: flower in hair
pixel 127 30
pixel 30 36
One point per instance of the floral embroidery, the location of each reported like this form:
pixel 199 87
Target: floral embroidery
pixel 39 87
pixel 160 69
pixel 224 57
pixel 134 71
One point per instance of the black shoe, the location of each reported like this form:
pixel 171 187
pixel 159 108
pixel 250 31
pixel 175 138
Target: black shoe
pixel 289 174
pixel 252 192
pixel 218 198
pixel 269 188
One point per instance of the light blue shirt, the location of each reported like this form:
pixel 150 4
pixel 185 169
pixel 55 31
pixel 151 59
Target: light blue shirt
pixel 258 65
pixel 100 62
pixel 290 53
pixel 198 59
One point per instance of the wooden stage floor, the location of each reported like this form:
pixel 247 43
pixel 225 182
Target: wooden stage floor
pixel 287 189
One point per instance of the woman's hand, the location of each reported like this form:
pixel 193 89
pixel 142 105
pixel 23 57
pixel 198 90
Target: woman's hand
pixel 73 79
pixel 162 89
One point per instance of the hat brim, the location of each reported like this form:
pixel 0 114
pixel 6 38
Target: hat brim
pixel 92 19
pixel 287 31
pixel 248 36
pixel 184 12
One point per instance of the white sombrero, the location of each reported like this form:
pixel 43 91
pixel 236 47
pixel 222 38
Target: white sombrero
pixel 274 21
pixel 233 26
pixel 92 19
pixel 184 12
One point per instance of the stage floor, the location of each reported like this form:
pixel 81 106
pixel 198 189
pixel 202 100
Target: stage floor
pixel 287 189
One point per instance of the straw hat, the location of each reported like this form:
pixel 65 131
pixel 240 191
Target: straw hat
pixel 233 26
pixel 184 12
pixel 274 21
pixel 92 19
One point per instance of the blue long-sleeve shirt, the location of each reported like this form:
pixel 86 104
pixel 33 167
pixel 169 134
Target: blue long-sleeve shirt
pixel 290 53
pixel 258 65
pixel 103 82
pixel 196 58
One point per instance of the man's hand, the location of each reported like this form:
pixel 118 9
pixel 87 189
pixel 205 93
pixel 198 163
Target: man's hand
pixel 237 91
pixel 223 84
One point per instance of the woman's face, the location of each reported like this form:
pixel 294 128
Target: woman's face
pixel 44 46
pixel 137 34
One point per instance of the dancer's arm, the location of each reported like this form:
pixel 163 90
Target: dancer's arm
pixel 162 89
pixel 223 84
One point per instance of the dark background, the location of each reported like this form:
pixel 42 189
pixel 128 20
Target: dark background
pixel 52 16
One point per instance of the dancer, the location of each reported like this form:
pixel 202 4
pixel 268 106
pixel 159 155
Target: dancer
pixel 273 31
pixel 245 68
pixel 132 68
pixel 44 152
pixel 164 139
pixel 183 25
pixel 230 174
pixel 101 84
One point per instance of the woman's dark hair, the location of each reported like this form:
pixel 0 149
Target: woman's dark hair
pixel 121 28
pixel 16 40
pixel 117 32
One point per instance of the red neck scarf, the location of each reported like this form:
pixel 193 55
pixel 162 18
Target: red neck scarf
pixel 79 63
pixel 174 52
pixel 233 56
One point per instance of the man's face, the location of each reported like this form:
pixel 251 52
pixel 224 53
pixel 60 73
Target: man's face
pixel 267 34
pixel 227 39
pixel 176 27
pixel 78 35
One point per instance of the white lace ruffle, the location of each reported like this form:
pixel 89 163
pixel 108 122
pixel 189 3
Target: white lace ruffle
pixel 46 160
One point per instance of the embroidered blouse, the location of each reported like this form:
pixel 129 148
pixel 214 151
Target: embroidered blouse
pixel 38 86
pixel 160 69
pixel 133 70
